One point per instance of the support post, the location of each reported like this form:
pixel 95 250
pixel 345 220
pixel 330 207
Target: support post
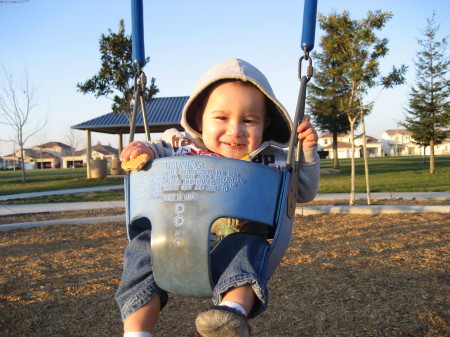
pixel 88 153
pixel 120 144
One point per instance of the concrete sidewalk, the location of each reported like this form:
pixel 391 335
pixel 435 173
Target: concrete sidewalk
pixel 6 210
pixel 75 206
pixel 387 195
pixel 57 207
pixel 60 192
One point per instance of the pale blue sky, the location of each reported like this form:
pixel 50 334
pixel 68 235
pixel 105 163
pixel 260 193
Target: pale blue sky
pixel 57 41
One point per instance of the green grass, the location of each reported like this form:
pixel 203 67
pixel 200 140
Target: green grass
pixel 388 174
pixel 49 180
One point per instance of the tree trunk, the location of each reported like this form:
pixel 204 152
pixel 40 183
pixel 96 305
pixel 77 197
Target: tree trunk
pixel 335 151
pixel 432 167
pixel 23 164
pixel 353 175
pixel 366 161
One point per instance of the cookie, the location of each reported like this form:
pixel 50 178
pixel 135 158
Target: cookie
pixel 137 163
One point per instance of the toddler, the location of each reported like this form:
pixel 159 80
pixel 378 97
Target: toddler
pixel 232 112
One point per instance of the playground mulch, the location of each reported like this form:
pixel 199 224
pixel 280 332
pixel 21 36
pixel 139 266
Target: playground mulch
pixel 343 275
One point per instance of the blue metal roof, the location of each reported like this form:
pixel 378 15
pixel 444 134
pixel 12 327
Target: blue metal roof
pixel 162 113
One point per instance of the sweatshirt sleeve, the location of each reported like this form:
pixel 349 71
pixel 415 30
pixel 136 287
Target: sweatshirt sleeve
pixel 308 175
pixel 164 147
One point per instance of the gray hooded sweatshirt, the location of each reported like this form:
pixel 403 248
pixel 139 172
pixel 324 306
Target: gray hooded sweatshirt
pixel 276 136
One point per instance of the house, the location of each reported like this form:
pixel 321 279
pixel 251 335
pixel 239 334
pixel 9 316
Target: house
pixel 46 160
pixel 57 155
pixel 32 160
pixel 399 142
pixel 393 142
pixel 10 162
pixel 79 158
pixel 49 155
pixel 374 147
pixel 344 150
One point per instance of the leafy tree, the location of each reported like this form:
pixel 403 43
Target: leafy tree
pixel 18 104
pixel 116 74
pixel 323 101
pixel 357 49
pixel 429 103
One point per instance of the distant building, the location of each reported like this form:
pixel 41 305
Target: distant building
pixel 393 142
pixel 374 147
pixel 32 159
pixel 56 155
pixel 79 158
pixel 49 155
pixel 399 142
pixel 10 162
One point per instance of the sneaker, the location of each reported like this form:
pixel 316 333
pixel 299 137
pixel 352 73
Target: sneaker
pixel 222 321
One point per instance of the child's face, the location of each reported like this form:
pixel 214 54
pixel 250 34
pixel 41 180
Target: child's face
pixel 234 119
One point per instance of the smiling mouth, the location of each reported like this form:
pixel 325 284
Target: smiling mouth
pixel 234 144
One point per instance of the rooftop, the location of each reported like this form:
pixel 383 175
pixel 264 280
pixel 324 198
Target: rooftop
pixel 162 113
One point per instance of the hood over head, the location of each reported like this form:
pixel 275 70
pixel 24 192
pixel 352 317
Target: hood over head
pixel 280 127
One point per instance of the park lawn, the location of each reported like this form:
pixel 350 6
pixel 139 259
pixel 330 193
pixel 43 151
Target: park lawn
pixel 50 180
pixel 388 174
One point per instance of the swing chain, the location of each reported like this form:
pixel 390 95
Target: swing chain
pixel 300 109
pixel 139 98
pixel 295 145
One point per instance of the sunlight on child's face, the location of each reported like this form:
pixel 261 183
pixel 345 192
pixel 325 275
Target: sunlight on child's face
pixel 234 119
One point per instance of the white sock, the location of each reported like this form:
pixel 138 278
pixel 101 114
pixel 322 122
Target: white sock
pixel 137 334
pixel 234 305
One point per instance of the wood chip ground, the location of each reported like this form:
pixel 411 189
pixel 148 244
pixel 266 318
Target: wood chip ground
pixel 343 275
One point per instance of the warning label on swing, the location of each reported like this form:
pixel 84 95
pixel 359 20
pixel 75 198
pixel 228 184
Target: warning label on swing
pixel 182 181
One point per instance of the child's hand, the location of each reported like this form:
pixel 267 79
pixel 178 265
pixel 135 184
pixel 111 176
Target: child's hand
pixel 135 149
pixel 307 133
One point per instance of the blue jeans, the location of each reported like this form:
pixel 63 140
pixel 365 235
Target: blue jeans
pixel 238 260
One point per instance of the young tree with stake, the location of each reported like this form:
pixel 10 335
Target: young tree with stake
pixel 357 48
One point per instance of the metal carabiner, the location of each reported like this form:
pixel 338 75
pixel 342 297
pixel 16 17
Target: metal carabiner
pixel 309 69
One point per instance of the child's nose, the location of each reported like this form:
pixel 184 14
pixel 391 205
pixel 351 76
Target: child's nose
pixel 234 129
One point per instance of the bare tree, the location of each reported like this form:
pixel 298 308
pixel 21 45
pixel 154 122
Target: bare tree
pixel 18 104
pixel 73 138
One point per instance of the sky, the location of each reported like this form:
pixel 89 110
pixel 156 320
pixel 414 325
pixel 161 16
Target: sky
pixel 57 44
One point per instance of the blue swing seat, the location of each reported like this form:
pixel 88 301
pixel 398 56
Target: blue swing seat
pixel 179 198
